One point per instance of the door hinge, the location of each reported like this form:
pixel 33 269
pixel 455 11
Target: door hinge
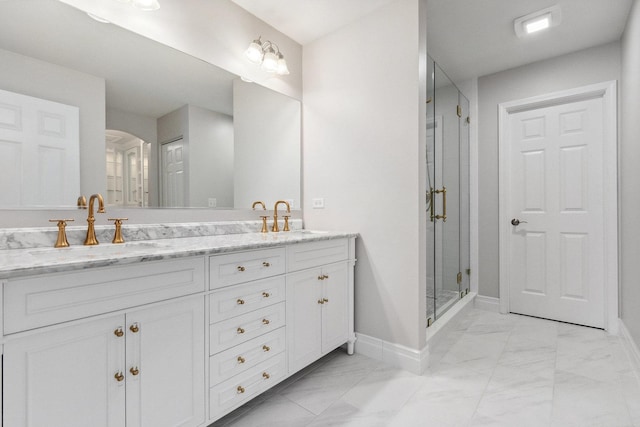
pixel 468 119
pixel 429 321
pixel 459 278
pixel 459 110
pixel 429 99
pixel 468 271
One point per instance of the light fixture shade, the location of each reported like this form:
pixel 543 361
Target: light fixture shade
pixel 270 61
pixel 254 51
pixel 282 70
pixel 147 5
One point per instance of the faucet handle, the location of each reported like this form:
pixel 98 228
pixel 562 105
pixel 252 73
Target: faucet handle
pixel 286 222
pixel 117 236
pixel 265 228
pixel 61 241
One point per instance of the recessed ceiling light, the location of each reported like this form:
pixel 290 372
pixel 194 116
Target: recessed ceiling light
pixel 537 21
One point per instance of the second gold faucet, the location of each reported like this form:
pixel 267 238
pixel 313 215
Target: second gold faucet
pixel 91 232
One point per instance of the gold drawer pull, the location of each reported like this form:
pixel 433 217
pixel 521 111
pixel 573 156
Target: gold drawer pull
pixel 240 331
pixel 265 321
pixel 240 301
pixel 266 376
pixel 240 389
pixel 241 268
pixel 266 295
pixel 134 328
pixel 241 359
pixel 118 332
pixel 266 264
pixel 119 377
pixel 266 348
pixel 134 371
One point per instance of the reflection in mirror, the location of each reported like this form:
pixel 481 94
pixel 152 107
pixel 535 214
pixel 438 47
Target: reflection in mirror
pixel 181 107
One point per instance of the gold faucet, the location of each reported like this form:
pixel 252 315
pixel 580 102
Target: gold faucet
pixel 264 229
pixel 275 227
pixel 91 232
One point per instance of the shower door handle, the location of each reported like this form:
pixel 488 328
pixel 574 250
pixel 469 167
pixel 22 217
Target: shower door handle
pixel 443 217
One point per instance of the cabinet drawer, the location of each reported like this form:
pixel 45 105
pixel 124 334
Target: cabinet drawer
pixel 242 267
pixel 314 254
pixel 234 392
pixel 245 356
pixel 241 299
pixel 45 300
pixel 237 330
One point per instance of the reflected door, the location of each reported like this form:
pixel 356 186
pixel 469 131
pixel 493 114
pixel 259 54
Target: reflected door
pixel 173 174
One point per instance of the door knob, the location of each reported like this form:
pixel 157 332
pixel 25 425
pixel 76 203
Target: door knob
pixel 517 222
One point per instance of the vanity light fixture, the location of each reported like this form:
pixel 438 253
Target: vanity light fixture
pixel 538 21
pixel 146 5
pixel 268 55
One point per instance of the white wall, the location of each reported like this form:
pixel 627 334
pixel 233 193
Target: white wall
pixel 217 31
pixel 364 120
pixel 629 155
pixel 28 76
pixel 581 68
pixel 266 140
pixel 210 158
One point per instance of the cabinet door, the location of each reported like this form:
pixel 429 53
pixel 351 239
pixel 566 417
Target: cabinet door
pixel 165 365
pixel 66 377
pixel 335 310
pixel 304 317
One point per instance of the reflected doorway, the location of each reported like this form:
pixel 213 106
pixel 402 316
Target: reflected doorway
pixel 127 159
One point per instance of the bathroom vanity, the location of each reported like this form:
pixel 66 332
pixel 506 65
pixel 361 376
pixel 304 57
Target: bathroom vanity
pixel 171 332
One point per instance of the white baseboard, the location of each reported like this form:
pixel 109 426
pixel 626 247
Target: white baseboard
pixel 487 303
pixel 631 347
pixel 414 361
pixel 396 355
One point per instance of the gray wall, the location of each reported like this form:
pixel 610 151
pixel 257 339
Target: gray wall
pixel 581 68
pixel 364 117
pixel 629 155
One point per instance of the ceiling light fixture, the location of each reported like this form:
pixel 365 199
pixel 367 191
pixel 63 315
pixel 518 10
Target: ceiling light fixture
pixel 146 5
pixel 537 21
pixel 268 56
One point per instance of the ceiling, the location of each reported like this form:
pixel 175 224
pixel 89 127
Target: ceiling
pixel 468 38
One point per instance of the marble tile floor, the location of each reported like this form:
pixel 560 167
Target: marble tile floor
pixel 440 304
pixel 490 370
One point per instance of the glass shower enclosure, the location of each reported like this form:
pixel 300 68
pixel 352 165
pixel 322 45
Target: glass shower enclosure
pixel 447 161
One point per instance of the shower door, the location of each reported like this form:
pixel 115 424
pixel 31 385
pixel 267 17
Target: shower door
pixel 447 193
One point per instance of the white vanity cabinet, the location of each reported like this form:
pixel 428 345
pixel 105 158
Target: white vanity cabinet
pixel 69 362
pixel 319 300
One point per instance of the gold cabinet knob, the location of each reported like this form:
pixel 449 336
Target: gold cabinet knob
pixel 134 328
pixel 240 331
pixel 240 389
pixel 320 301
pixel 324 300
pixel 321 277
pixel 266 264
pixel 266 295
pixel 134 371
pixel 240 301
pixel 325 276
pixel 266 348
pixel 265 321
pixel 119 377
pixel 241 359
pixel 118 332
pixel 241 268
pixel 266 376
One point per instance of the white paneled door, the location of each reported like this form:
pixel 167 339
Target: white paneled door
pixel 39 152
pixel 556 211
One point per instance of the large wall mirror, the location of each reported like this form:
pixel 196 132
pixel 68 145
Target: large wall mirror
pixel 157 127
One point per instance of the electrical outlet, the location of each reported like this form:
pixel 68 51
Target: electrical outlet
pixel 213 202
pixel 318 203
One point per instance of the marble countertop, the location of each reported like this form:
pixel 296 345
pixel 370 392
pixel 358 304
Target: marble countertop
pixel 32 261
